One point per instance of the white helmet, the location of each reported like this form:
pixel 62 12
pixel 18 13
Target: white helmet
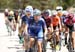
pixel 36 12
pixel 65 12
pixel 48 10
pixel 54 12
pixel 29 9
pixel 11 13
pixel 6 10
pixel 59 8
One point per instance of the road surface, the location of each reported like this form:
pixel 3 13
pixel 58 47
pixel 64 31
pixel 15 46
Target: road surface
pixel 11 43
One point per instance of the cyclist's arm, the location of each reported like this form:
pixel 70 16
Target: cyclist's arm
pixel 18 18
pixel 25 26
pixel 74 22
pixel 45 31
pixel 45 28
pixel 51 27
pixel 74 26
pixel 26 29
pixel 14 19
pixel 6 19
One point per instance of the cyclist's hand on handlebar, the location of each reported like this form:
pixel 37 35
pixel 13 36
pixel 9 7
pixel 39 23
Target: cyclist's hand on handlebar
pixel 26 33
pixel 52 30
pixel 45 36
pixel 60 29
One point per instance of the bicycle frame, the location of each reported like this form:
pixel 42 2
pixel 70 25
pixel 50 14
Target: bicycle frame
pixel 54 41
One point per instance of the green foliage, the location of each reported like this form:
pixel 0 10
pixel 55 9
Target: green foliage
pixel 41 4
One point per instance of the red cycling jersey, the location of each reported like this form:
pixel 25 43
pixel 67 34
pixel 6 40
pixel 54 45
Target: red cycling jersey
pixel 48 21
pixel 69 21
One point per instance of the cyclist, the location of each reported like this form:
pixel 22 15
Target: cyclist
pixel 69 23
pixel 27 16
pixel 10 21
pixel 47 18
pixel 65 29
pixel 35 29
pixel 6 12
pixel 56 23
pixel 16 18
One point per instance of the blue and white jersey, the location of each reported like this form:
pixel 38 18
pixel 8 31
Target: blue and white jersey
pixel 35 27
pixel 25 19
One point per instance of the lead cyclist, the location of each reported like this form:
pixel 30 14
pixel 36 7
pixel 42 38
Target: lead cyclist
pixel 35 29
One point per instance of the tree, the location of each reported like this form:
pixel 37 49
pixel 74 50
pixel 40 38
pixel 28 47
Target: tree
pixel 41 4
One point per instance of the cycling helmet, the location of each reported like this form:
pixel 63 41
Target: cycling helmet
pixel 16 13
pixel 65 12
pixel 46 13
pixel 36 12
pixel 70 15
pixel 59 8
pixel 11 13
pixel 29 9
pixel 49 11
pixel 54 12
pixel 6 10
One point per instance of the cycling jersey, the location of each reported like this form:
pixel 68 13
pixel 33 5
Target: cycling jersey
pixel 62 19
pixel 48 21
pixel 10 18
pixel 36 28
pixel 6 14
pixel 17 18
pixel 69 21
pixel 55 20
pixel 25 19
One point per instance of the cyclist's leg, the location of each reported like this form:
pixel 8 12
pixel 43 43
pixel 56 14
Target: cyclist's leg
pixel 7 23
pixel 21 28
pixel 27 42
pixel 57 35
pixel 70 38
pixel 31 40
pixel 21 33
pixel 66 34
pixel 31 43
pixel 10 26
pixel 40 39
pixel 73 38
pixel 57 45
